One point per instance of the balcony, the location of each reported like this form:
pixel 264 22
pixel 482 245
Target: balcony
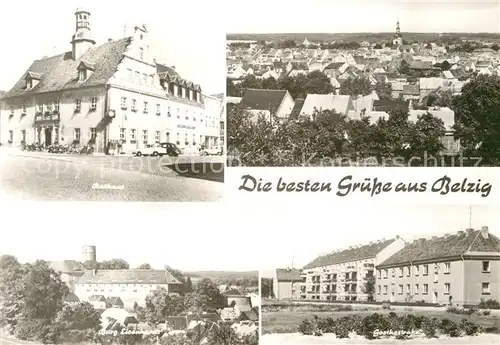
pixel 47 119
pixel 368 265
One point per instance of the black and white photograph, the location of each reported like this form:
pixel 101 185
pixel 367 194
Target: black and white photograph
pixel 97 287
pixel 111 103
pixel 364 83
pixel 397 275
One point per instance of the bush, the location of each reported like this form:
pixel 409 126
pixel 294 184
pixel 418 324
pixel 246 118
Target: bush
pixel 462 311
pixel 430 327
pixel 489 304
pixel 486 312
pixel 470 328
pixel 450 328
pixel 308 327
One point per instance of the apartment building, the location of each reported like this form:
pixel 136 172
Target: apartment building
pixel 461 268
pixel 341 275
pixel 114 92
pixel 286 283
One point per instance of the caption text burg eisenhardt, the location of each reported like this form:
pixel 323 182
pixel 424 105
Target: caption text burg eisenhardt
pixel 374 186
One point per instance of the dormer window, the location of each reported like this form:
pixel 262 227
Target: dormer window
pixel 32 79
pixel 85 70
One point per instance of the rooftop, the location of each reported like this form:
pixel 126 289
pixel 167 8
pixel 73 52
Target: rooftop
pixel 348 255
pixel 288 275
pixel 445 246
pixel 130 276
pixel 257 99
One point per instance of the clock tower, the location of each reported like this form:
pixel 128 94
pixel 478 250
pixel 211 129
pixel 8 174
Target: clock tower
pixel 82 40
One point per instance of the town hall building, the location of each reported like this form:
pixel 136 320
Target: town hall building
pixel 114 92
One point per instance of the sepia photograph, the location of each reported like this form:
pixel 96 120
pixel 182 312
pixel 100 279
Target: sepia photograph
pixel 118 287
pixel 364 83
pixel 397 275
pixel 106 103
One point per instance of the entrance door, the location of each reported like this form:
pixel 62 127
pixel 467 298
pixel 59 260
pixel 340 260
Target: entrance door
pixel 435 297
pixel 48 136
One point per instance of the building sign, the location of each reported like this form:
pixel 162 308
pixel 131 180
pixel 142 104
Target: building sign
pixel 47 120
pixel 185 126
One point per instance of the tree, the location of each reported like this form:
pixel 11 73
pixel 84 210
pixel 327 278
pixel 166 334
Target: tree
pixel 81 316
pixel 188 288
pixel 477 119
pixel 114 264
pixel 206 287
pixel 195 303
pixel 445 65
pixel 145 267
pixel 444 99
pixel 356 86
pixel 232 89
pixel 404 67
pixel 160 304
pixel 369 288
pixel 270 84
pixel 426 136
pixel 232 291
pixel 384 90
pixel 223 335
pixel 377 46
pixel 266 287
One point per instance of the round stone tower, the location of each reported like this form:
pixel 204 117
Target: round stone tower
pixel 89 253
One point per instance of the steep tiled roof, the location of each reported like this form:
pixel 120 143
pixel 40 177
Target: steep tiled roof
pixel 411 90
pixel 389 104
pixel 288 275
pixel 348 255
pixel 67 266
pixel 114 300
pixel 60 72
pixel 339 103
pixel 131 276
pixel 71 298
pixel 249 315
pixel 257 99
pixel 446 246
pixel 421 65
pixel 97 298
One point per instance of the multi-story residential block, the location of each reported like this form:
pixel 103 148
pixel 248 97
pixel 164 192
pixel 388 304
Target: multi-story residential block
pixel 131 286
pixel 286 283
pixel 109 93
pixel 461 268
pixel 341 275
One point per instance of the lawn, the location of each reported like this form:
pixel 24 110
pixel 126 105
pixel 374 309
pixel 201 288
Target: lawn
pixel 287 320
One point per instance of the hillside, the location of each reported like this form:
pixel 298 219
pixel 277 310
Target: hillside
pixel 363 36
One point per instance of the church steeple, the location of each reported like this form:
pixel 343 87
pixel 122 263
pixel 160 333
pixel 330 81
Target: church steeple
pixel 398 39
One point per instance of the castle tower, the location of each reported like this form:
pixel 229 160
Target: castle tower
pixel 89 253
pixel 398 39
pixel 82 40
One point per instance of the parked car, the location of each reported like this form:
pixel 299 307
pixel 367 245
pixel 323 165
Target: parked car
pixel 214 150
pixel 160 149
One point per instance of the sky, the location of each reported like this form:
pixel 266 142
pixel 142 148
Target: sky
pixel 181 34
pixel 215 236
pixel 342 16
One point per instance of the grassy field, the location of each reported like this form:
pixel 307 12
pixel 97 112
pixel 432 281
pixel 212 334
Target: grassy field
pixel 287 320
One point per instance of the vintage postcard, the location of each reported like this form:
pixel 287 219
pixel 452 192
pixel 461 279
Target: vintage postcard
pixel 398 275
pixel 102 104
pixel 364 83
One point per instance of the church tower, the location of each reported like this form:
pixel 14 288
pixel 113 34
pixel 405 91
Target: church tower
pixel 82 40
pixel 398 39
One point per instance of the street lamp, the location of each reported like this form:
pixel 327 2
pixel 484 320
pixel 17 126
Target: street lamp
pixel 111 114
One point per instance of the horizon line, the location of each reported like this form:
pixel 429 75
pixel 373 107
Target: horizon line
pixel 365 32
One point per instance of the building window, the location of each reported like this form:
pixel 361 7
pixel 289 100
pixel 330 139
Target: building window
pixel 194 139
pixel 77 135
pixel 133 105
pixel 187 117
pixel 145 107
pixel 385 289
pixel 178 113
pixel 379 274
pixel 179 91
pixel 400 287
pixel 168 111
pixel 23 135
pixel 141 54
pixel 446 288
pixel 56 106
pixel 446 268
pixel 408 271
pixel 151 80
pixel 124 102
pixel 416 289
pixel 11 110
pixel 379 289
pixel 144 79
pixel 145 136
pixel 417 270
pixel 82 76
pixel 408 288
pixel 78 105
pixel 158 109
pixel 167 137
pixel 186 139
pixel 400 272
pixel 93 103
pixel 122 134
pixel 24 109
pixel 393 272
pixel 426 289
pixel 178 138
pixel 132 136
pixel 157 136
pixel 130 74
pixel 11 136
pixel 486 266
pixel 386 273
pixel 137 77
pixel 93 134
pixel 485 288
pixel 426 270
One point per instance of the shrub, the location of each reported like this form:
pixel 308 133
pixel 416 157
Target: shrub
pixel 430 327
pixel 489 304
pixel 449 327
pixel 308 327
pixel 386 306
pixel 470 328
pixel 486 312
